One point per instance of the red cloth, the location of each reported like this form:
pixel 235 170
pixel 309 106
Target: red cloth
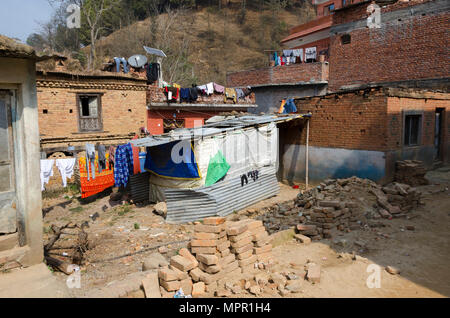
pixel 136 161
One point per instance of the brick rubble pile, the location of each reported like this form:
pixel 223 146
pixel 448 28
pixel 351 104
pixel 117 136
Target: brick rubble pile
pixel 223 251
pixel 341 205
pixel 410 172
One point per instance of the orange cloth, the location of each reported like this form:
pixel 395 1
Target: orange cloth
pixel 283 102
pixel 136 161
pixel 102 181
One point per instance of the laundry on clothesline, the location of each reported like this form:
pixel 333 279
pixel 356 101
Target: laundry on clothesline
pixel 66 168
pixel 46 171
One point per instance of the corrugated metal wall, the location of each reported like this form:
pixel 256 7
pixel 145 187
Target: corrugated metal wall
pixel 222 198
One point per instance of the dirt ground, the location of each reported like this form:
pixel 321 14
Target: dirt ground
pixel 123 235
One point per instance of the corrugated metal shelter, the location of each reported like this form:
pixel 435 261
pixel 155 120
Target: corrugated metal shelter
pixel 251 178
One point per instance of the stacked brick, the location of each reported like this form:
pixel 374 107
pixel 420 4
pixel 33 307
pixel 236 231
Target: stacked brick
pixel 212 250
pixel 411 172
pixel 174 277
pixel 250 242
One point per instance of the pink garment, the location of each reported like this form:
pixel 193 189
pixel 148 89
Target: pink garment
pixel 219 88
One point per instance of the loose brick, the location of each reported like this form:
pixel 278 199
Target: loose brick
pixel 204 250
pixel 313 273
pixel 186 285
pixel 244 255
pixel 195 274
pixel 167 274
pixel 212 269
pixel 227 260
pixel 264 256
pixel 240 250
pixel 236 229
pixel 242 242
pixel 170 285
pixel 208 259
pixel 198 289
pixel 223 246
pixel 251 260
pixel 302 238
pixel 334 204
pixel 180 274
pixel 206 236
pixel 261 250
pixel 237 238
pixel 186 254
pixel 182 263
pixel 204 243
pixel 213 221
pixel 209 228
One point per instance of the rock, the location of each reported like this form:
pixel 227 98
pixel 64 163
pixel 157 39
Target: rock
pixel 392 270
pixel 302 238
pixel 410 228
pixel 294 286
pixel 255 290
pixel 236 289
pixel 291 276
pixel 151 286
pixel 163 250
pixel 278 279
pixel 222 293
pixel 160 208
pixel 313 273
pixel 154 261
pixel 284 292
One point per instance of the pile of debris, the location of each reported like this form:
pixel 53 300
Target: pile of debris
pixel 341 205
pixel 223 251
pixel 410 172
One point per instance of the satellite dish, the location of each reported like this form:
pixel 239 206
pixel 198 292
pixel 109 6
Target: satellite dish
pixel 137 60
pixel 157 52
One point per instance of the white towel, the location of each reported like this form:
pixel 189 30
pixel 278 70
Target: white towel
pixel 310 52
pixel 210 88
pixel 65 167
pixel 46 171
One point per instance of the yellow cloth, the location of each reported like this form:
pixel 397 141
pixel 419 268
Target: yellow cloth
pixel 176 85
pixel 230 93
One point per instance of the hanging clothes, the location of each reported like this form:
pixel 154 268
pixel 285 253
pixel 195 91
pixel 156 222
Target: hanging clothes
pixel 123 167
pixel 247 90
pixel 218 88
pixel 281 109
pixel 240 93
pixel 176 85
pixel 65 167
pixel 118 61
pixel 90 160
pixel 184 95
pixel 230 93
pixel 136 161
pixel 276 59
pixel 172 93
pixel 112 153
pixel 46 171
pixel 310 54
pixel 101 158
pixel 193 94
pixel 153 72
pixel 103 180
pixel 289 107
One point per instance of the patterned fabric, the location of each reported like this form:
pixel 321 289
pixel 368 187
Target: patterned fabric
pixel 102 181
pixel 123 166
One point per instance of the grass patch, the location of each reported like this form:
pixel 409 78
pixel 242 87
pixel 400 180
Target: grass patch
pixel 76 209
pixel 136 226
pixel 124 209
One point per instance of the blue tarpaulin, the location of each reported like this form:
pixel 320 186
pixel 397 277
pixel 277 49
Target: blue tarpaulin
pixel 160 161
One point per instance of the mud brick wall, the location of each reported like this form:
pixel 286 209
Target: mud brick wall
pixel 409 45
pixel 123 106
pixel 302 72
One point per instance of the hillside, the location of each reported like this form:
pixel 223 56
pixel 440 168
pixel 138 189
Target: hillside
pixel 204 45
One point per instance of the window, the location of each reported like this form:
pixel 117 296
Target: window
pixel 345 38
pixel 89 112
pixel 328 9
pixel 412 130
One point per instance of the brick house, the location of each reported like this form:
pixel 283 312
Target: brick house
pixel 387 94
pixel 163 116
pixel 75 108
pixel 364 131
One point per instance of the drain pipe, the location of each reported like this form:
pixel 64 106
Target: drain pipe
pixel 307 155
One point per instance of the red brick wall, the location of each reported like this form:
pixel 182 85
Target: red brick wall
pixel 415 48
pixel 279 74
pixel 396 107
pixel 350 121
pixel 155 118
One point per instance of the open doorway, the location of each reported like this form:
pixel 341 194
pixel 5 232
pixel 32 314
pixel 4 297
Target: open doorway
pixel 439 115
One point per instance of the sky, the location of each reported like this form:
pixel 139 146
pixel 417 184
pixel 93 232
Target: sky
pixel 20 18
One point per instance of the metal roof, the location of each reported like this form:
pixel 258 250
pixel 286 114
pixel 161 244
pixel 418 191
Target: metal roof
pixel 216 128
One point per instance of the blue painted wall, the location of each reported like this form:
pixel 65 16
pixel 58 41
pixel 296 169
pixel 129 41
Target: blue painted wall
pixel 331 163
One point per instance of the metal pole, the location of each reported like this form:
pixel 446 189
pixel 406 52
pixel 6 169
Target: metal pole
pixel 160 80
pixel 307 154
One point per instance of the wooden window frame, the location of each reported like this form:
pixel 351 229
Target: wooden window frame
pixel 99 111
pixel 420 129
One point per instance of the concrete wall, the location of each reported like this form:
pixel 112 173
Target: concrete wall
pixel 268 98
pixel 331 163
pixel 20 76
